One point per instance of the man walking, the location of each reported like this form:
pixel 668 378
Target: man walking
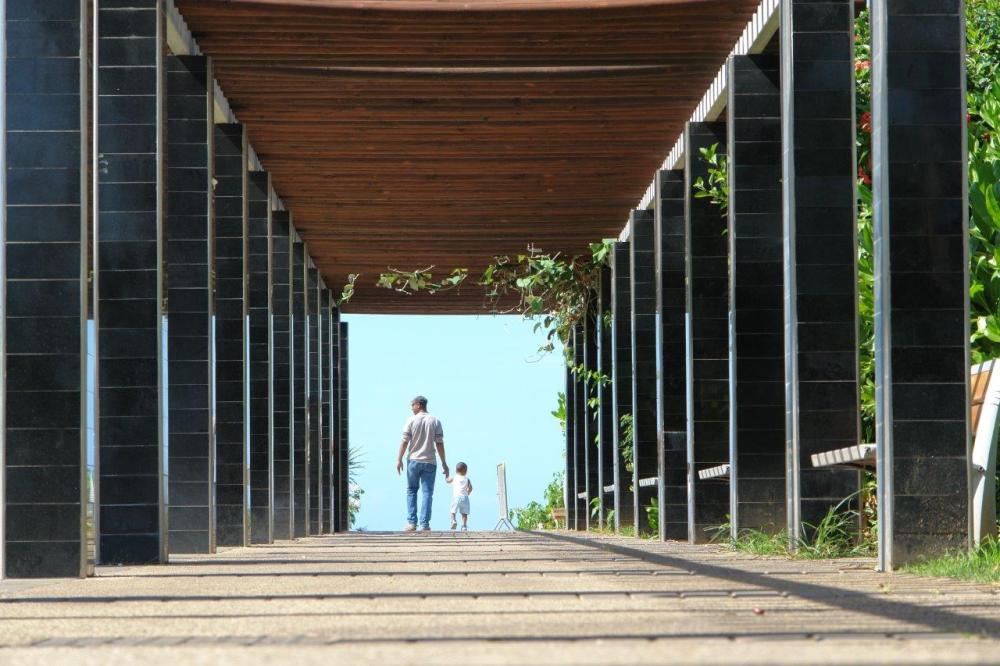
pixel 422 435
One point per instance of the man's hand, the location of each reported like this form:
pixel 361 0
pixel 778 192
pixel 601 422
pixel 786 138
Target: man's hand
pixel 399 466
pixel 444 470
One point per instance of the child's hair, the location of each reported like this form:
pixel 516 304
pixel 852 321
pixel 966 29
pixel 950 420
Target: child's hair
pixel 461 468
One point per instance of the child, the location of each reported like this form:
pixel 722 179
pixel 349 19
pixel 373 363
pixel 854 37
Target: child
pixel 461 489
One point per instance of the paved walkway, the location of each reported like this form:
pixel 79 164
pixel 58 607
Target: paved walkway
pixel 496 598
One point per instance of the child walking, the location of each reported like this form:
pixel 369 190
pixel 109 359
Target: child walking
pixel 461 488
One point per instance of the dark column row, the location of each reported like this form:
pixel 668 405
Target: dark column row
pixel 642 308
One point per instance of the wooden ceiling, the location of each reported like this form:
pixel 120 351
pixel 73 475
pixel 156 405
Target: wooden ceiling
pixel 416 133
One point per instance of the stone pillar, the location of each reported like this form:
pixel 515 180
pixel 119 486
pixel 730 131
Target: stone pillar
pixel 129 282
pixel 231 376
pixel 605 414
pixel 569 482
pixel 314 379
pixel 921 279
pixel 344 434
pixel 756 291
pixel 671 356
pixel 281 372
pixel 259 318
pixel 191 300
pixel 44 495
pixel 300 350
pixel 707 337
pixel 818 199
pixel 581 431
pixel 643 310
pixel 621 381
pixel 326 414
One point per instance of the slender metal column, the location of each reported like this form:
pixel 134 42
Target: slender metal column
pixel 756 297
pixel 300 451
pixel 642 272
pixel 591 419
pixel 281 378
pixel 671 412
pixel 605 414
pixel 336 491
pixel 259 316
pixel 820 253
pixel 919 156
pixel 313 400
pixel 707 337
pixel 621 381
pixel 45 461
pixel 129 121
pixel 191 298
pixel 231 368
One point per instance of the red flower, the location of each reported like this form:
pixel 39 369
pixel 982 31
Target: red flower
pixel 863 175
pixel 862 65
pixel 866 122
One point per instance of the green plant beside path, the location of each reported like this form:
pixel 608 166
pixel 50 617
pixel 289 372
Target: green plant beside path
pixel 981 565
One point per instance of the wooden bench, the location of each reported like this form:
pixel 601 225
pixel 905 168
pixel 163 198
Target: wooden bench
pixel 717 472
pixel 984 381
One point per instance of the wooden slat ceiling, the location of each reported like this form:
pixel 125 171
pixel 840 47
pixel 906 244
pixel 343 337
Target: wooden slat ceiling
pixel 411 133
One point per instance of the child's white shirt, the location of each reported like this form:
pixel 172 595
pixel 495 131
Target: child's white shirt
pixel 460 485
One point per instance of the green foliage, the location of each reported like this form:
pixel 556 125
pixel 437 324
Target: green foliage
pixel 625 440
pixel 653 516
pixel 356 461
pixel 716 187
pixel 554 495
pixel 534 516
pixel 981 564
pixel 348 290
pixel 410 282
pixel 559 413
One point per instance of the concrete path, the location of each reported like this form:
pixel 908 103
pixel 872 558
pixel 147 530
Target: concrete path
pixel 496 598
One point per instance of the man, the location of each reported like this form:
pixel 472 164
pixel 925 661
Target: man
pixel 422 435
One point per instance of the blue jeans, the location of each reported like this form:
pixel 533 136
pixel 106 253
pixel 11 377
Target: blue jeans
pixel 419 476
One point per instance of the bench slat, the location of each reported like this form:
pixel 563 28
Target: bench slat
pixel 717 472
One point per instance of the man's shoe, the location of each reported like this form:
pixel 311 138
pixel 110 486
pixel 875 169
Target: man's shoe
pixel 410 527
pixel 454 525
pixel 465 528
pixel 425 528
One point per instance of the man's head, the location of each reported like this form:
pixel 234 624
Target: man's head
pixel 418 404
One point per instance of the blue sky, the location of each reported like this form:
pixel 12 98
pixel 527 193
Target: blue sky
pixel 486 382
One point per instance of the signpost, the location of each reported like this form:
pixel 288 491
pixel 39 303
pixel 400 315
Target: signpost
pixel 504 522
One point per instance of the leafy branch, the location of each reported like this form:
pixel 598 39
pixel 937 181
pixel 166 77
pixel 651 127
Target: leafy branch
pixel 409 282
pixel 716 187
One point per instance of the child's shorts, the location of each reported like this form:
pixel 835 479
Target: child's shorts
pixel 460 504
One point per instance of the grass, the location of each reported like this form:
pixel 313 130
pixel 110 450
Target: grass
pixel 834 536
pixel 981 564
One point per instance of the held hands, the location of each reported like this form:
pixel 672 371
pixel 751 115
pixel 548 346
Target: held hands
pixel 444 470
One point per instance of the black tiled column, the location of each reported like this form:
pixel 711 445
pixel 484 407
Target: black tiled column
pixel 231 368
pixel 313 417
pixel 621 381
pixel 592 439
pixel 300 452
pixel 343 477
pixel 821 350
pixel 707 337
pixel 281 377
pixel 129 284
pixel 671 413
pixel 569 483
pixel 45 293
pixel 643 310
pixel 259 314
pixel 326 409
pixel 335 490
pixel 605 415
pixel 921 279
pixel 757 363
pixel 191 300
pixel 580 432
